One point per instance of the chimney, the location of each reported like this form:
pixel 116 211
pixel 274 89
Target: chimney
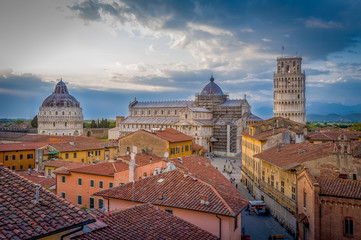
pixel 132 167
pixel 37 193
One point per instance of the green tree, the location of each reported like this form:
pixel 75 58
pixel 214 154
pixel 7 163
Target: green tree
pixel 112 124
pixel 18 121
pixel 34 122
pixel 93 124
pixel 356 126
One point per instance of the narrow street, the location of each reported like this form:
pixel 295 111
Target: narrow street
pixel 258 227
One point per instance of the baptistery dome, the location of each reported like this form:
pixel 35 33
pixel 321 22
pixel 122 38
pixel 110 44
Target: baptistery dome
pixel 60 97
pixel 212 88
pixel 60 113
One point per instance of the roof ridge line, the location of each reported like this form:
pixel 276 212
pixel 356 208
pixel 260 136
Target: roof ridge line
pixel 216 192
pixel 115 169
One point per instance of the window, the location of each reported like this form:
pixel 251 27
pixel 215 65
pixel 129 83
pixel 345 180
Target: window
pixel 101 184
pixel 177 149
pixel 80 200
pixel 29 156
pixel 91 183
pixel 13 167
pixel 74 155
pixel 6 157
pixel 169 211
pixel 272 180
pixel 100 203
pixel 29 166
pixel 90 154
pixel 63 194
pixel 13 157
pixel 187 148
pixel 91 203
pixel 172 151
pixel 235 222
pixel 263 173
pixel 66 155
pixel 63 179
pixel 21 167
pixel 182 149
pixel 304 199
pixel 348 226
pixel 111 185
pixel 282 186
pixel 21 157
pixel 80 181
pixel 293 193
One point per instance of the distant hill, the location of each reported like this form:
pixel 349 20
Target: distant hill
pixel 348 118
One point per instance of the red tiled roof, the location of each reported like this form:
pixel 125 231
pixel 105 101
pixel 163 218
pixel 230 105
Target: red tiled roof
pixel 333 135
pixel 141 159
pixel 38 178
pixel 173 135
pixel 338 187
pixel 104 169
pixel 22 218
pixel 21 146
pixel 272 119
pixel 264 135
pixel 196 147
pixel 81 145
pixel 146 222
pixel 63 163
pixel 203 169
pixel 288 154
pixel 178 191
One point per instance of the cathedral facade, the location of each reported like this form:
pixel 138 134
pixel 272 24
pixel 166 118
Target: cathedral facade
pixel 289 87
pixel 60 113
pixel 212 119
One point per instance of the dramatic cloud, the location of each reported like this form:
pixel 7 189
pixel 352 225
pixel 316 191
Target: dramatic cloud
pixel 154 49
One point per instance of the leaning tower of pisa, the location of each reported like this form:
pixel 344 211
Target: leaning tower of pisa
pixel 289 99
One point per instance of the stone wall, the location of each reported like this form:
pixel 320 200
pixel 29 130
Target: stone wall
pixel 96 132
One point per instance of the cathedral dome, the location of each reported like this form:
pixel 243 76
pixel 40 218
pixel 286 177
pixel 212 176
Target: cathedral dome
pixel 212 88
pixel 60 97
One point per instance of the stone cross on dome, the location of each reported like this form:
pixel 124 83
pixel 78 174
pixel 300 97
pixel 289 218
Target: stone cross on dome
pixel 212 78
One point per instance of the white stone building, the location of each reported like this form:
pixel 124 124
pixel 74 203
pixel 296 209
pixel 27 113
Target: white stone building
pixel 214 120
pixel 60 113
pixel 289 99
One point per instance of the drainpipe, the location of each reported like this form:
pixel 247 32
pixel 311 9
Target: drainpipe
pixel 220 227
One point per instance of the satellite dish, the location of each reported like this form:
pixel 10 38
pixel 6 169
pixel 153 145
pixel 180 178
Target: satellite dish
pixel 166 154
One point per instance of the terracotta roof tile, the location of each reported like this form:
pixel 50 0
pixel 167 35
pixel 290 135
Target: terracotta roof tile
pixel 338 187
pixel 333 135
pixel 21 146
pixel 38 178
pixel 104 169
pixel 63 163
pixel 288 154
pixel 145 222
pixel 173 135
pixel 21 217
pixel 203 169
pixel 264 135
pixel 141 159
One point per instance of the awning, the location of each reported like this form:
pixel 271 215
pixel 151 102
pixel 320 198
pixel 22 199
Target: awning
pixel 53 152
pixel 213 139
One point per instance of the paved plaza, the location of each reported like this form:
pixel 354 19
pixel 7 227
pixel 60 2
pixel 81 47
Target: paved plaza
pixel 258 227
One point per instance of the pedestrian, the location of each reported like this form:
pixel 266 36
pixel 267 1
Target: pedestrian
pixel 243 231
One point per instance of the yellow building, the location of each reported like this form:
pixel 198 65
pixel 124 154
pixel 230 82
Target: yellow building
pixel 19 156
pixel 264 135
pixel 170 141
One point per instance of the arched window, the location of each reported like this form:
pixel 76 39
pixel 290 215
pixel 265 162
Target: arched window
pixel 56 113
pixel 63 113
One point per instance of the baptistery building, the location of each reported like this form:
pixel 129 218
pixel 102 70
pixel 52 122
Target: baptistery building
pixel 60 113
pixel 212 119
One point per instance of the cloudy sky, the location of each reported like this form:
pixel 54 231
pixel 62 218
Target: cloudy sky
pixel 109 52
